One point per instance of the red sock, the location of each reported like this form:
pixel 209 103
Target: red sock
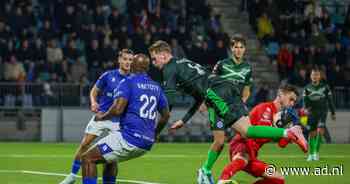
pixel 270 181
pixel 232 168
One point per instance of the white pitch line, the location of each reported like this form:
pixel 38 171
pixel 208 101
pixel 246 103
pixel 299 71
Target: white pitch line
pixel 59 174
pixel 167 156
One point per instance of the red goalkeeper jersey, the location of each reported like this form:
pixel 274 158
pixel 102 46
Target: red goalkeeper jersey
pixel 262 115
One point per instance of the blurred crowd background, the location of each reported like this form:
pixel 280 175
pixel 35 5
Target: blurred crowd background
pixel 51 52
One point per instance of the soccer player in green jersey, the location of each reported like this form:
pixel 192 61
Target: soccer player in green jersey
pixel 317 99
pixel 237 71
pixel 223 96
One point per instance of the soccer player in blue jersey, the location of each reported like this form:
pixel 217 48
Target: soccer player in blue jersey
pixel 101 97
pixel 137 100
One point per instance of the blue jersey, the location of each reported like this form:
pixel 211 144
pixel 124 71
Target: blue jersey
pixel 107 83
pixel 145 97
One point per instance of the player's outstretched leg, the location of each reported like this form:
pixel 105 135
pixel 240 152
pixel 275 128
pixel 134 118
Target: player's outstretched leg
pixel 294 133
pixel 83 147
pixel 230 170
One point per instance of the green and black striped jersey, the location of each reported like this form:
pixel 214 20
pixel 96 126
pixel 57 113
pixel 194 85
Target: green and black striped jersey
pixel 187 76
pixel 318 98
pixel 239 75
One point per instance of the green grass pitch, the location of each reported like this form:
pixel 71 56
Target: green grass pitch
pixel 42 163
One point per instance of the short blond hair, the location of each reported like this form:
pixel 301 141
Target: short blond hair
pixel 159 46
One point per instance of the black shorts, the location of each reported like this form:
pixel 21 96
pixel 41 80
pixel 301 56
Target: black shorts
pixel 225 107
pixel 317 120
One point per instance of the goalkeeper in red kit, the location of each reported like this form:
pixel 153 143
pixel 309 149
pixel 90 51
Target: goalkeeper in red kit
pixel 244 152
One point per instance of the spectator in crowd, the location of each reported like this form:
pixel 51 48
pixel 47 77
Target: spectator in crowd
pixel 340 54
pixel 272 46
pixel 51 39
pixel 14 70
pixel 220 51
pixel 207 56
pixel 264 26
pixel 284 61
pixel 177 50
pixel 78 70
pixel 335 76
pixel 262 94
pixel 93 57
pixel 318 39
pixel 39 50
pixel 298 57
pixel 25 52
pixel 2 69
pixel 71 52
pixel 47 32
pixel 54 54
pixel 299 78
pixel 316 31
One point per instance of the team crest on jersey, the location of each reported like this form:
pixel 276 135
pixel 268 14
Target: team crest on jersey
pixel 113 79
pixel 220 124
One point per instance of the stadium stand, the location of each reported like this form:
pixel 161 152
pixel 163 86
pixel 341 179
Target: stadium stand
pixel 51 52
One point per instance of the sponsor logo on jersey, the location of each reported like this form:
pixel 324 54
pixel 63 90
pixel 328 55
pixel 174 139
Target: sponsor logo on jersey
pixel 239 75
pixel 266 116
pixel 317 94
pixel 104 148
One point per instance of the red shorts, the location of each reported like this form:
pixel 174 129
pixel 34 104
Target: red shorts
pixel 255 167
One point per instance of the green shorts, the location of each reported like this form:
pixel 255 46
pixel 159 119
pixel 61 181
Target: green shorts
pixel 225 107
pixel 317 120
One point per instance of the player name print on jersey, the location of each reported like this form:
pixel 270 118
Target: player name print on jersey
pixel 147 86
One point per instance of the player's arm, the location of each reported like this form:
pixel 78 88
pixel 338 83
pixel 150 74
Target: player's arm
pixel 245 93
pixel 246 89
pixel 116 109
pixel 163 109
pixel 195 106
pixel 330 102
pixel 121 96
pixel 193 109
pixel 306 99
pixel 94 93
pixel 164 117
